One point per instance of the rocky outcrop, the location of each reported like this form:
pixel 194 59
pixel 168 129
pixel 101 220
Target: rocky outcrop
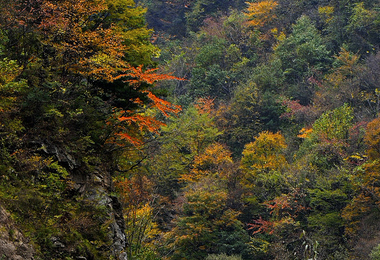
pixel 118 227
pixel 96 186
pixel 13 245
pixel 99 195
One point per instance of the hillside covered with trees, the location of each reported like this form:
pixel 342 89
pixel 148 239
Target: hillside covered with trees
pixel 190 129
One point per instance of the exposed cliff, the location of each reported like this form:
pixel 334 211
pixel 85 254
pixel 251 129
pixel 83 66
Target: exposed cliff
pixel 13 244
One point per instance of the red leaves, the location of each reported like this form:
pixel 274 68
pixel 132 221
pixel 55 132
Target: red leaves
pixel 261 226
pixel 284 211
pixel 297 112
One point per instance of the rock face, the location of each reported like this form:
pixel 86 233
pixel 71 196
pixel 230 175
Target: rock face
pixel 118 228
pixel 99 195
pixel 96 186
pixel 13 245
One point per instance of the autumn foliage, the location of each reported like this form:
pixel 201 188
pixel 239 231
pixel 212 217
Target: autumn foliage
pixel 284 211
pixel 137 77
pixel 265 153
pixel 368 198
pixel 261 13
pixel 85 40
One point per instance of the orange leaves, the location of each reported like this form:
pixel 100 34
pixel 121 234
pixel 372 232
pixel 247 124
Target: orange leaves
pixel 278 204
pixel 164 106
pixel 142 121
pixel 84 43
pixel 135 191
pixel 367 182
pixel 261 13
pixel 348 62
pixel 130 126
pixel 353 213
pixel 76 32
pixel 204 105
pixel 305 132
pixel 124 131
pixel 372 138
pixel 137 75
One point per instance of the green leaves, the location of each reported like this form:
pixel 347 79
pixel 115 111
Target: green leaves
pixel 181 140
pixel 328 138
pixel 334 125
pixel 207 225
pixel 302 53
pixel 130 23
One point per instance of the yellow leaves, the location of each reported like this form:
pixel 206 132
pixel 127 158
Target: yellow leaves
pixel 335 80
pixel 101 66
pixel 362 19
pixel 9 89
pixel 265 153
pixel 84 45
pixel 348 61
pixel 9 70
pixel 326 12
pixel 215 161
pixel 140 228
pixel 279 37
pixel 261 13
pixel 38 163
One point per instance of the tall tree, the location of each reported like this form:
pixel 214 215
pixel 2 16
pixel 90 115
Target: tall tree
pixel 303 55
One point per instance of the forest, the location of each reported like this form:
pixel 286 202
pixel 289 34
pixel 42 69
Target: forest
pixel 190 129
